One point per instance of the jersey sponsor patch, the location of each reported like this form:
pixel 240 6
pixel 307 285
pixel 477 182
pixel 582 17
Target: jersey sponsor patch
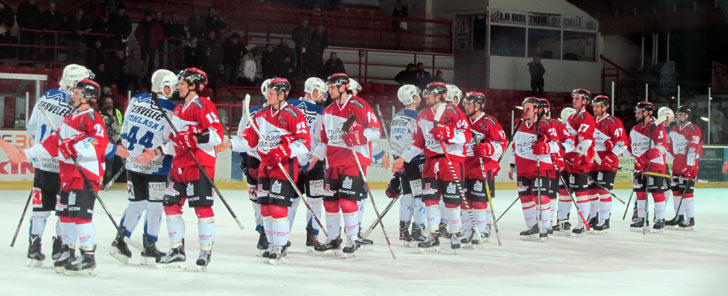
pixel 451 189
pixel 346 184
pixel 478 186
pixel 156 191
pixel 276 187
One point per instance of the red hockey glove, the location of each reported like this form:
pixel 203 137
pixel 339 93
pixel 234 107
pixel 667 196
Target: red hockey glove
pixel 688 172
pixel 354 136
pixel 287 139
pixel 653 153
pixel 279 154
pixel 483 149
pixel 610 160
pixel 608 144
pixel 540 148
pixel 66 148
pixel 639 165
pixel 394 187
pixel 187 139
pixel 442 133
pixel 573 161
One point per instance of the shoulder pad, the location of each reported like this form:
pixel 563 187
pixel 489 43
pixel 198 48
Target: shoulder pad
pixel 92 115
pixel 291 110
pixel 356 102
pixel 198 102
pixel 410 113
pixel 490 119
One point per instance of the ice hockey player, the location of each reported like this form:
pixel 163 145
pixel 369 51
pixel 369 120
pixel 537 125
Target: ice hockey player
pixel 580 161
pixel 311 175
pixel 647 145
pixel 611 141
pixel 144 136
pixel 487 146
pixel 454 94
pixel 199 132
pixel 344 185
pixel 46 182
pixel 687 146
pixel 453 131
pixel 84 141
pixel 533 143
pixel 557 190
pixel 402 130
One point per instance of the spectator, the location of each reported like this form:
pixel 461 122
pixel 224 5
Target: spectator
pixel 79 25
pixel 113 133
pixel 400 10
pixel 52 20
pixel 286 70
pixel 333 65
pixel 95 55
pixel 717 121
pixel 149 34
pixel 192 58
pixel 233 51
pixel 423 77
pixel 301 38
pixel 28 18
pixel 196 24
pixel 438 77
pixel 114 63
pixel 213 21
pixel 247 70
pixel 137 66
pixel 211 59
pixel 537 70
pixel 282 51
pixel 315 53
pixel 127 81
pixel 121 27
pixel 7 20
pixel 103 25
pixel 174 32
pixel 407 76
pixel 101 76
pixel 268 62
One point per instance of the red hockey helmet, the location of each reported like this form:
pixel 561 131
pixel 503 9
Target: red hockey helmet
pixel 194 76
pixel 338 79
pixel 645 106
pixel 89 89
pixel 281 85
pixel 585 94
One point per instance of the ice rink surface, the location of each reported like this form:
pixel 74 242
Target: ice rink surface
pixel 619 263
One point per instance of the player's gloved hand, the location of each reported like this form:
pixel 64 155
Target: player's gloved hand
pixel 653 153
pixel 608 144
pixel 187 139
pixel 688 172
pixel 394 188
pixel 66 148
pixel 354 136
pixel 610 160
pixel 573 161
pixel 540 148
pixel 442 133
pixel 484 149
pixel 279 154
pixel 639 165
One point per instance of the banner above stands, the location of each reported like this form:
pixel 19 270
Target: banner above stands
pixel 505 16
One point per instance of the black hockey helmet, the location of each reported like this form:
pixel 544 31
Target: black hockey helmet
pixel 436 88
pixel 281 85
pixel 585 94
pixel 602 100
pixel 338 79
pixel 194 76
pixel 475 97
pixel 684 109
pixel 645 106
pixel 545 103
pixel 89 89
pixel 537 103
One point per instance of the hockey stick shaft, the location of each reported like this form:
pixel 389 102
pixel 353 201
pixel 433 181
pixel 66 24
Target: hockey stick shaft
pixel 384 213
pixel 508 208
pixel 22 216
pixel 679 204
pixel 490 200
pixel 460 189
pixel 626 208
pixel 197 163
pixel 374 204
pixel 107 186
pixel 573 200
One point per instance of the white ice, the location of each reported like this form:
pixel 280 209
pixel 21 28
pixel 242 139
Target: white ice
pixel 620 263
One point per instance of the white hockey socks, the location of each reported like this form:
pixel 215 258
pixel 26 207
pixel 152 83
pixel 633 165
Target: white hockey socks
pixel 153 220
pixel 132 215
pixel 86 235
pixel 333 224
pixel 564 207
pixel 420 213
pixel 481 219
pixel 38 222
pixel 292 211
pixel 660 210
pixel 281 229
pixel 406 208
pixel 316 205
pixel 433 218
pixel 256 212
pixel 206 229
pixel 360 213
pixel 453 219
pixel 351 223
pixel 605 208
pixel 689 205
pixel 175 229
pixel 68 233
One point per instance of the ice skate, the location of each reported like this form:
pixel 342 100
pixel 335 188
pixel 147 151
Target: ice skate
pixel 175 258
pixel 431 244
pixel 203 260
pixel 150 254
pixel 311 239
pixel 84 265
pixel 66 254
pixel 352 245
pixel 119 248
pixel 675 221
pixel 364 243
pixel 687 225
pixel 659 226
pixel 404 234
pixel 35 256
pixel 562 227
pixel 594 221
pixel 601 228
pixel 530 234
pixel 263 244
pixel 331 246
pixel 637 225
pixel 543 236
pixel 57 245
pixel 455 242
pixel 276 255
pixel 580 229
pixel 416 234
pixel 442 229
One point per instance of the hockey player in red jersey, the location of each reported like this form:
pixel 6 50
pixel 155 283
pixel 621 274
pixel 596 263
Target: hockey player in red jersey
pixel 344 185
pixel 488 143
pixel 199 132
pixel 579 162
pixel 611 142
pixel 533 143
pixel 453 130
pixel 687 146
pixel 566 145
pixel 82 138
pixel 647 145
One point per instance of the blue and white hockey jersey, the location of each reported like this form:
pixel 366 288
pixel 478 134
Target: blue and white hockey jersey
pixel 145 127
pixel 56 102
pixel 402 130
pixel 312 112
pixel 237 142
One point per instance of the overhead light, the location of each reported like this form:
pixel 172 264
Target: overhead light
pixel 673 97
pixel 519 107
pixel 704 119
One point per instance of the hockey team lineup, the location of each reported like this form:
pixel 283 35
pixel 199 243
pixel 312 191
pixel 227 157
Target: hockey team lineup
pixel 445 152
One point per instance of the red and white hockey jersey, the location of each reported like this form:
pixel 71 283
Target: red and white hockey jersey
pixel 609 128
pixel 566 142
pixel 486 129
pixel 642 138
pixel 332 146
pixel 687 146
pixel 581 126
pixel 424 141
pixel 203 114
pixel 274 124
pixel 527 163
pixel 90 149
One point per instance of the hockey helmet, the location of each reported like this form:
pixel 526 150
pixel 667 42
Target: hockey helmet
pixel 264 86
pixel 194 76
pixel 315 83
pixel 666 113
pixel 436 88
pixel 163 78
pixel 475 97
pixel 280 85
pixel 89 89
pixel 355 86
pixel 72 74
pixel 339 79
pixel 645 106
pixel 602 100
pixel 585 94
pixel 452 93
pixel 406 94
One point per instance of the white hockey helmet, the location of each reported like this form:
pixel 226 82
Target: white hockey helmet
pixel 406 94
pixel 72 74
pixel 354 86
pixel 162 78
pixel 566 113
pixel 667 113
pixel 315 83
pixel 264 86
pixel 452 93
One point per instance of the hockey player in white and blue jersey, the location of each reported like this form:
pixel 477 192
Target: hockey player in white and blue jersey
pixel 46 180
pixel 311 177
pixel 403 127
pixel 144 137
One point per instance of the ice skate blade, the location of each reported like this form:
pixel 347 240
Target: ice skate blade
pixel 201 268
pixel 327 253
pixel 148 261
pixel 366 247
pixel 278 261
pixel 119 256
pixel 655 231
pixel 171 266
pixel 533 237
pixel 429 250
pixel 84 272
pixel 35 263
pixel 598 232
pixel 685 228
pixel 406 244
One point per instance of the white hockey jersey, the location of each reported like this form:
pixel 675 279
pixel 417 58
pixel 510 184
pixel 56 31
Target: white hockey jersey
pixel 145 127
pixel 56 103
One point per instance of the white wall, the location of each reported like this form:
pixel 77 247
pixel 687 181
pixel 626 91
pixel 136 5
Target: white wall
pixel 622 51
pixel 562 76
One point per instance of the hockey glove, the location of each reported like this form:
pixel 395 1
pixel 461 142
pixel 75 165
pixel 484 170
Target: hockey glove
pixel 442 133
pixel 279 154
pixel 651 154
pixel 573 162
pixel 610 160
pixel 688 172
pixel 394 189
pixel 608 144
pixel 66 148
pixel 484 149
pixel 540 148
pixel 187 139
pixel 354 135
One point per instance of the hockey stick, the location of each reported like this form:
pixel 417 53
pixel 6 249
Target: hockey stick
pixel 626 208
pixel 246 110
pixel 538 176
pixel 573 200
pixel 22 216
pixel 508 208
pixel 88 183
pixel 107 186
pixel 696 180
pixel 155 98
pixel 602 187
pixel 490 201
